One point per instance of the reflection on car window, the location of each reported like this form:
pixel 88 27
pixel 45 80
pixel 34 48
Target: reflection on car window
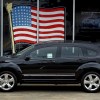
pixel 71 52
pixel 89 53
pixel 25 50
pixel 44 53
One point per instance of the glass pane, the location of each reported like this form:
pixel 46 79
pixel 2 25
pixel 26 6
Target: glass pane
pixel 88 20
pixel 67 23
pixel 44 53
pixel 71 52
pixel 90 53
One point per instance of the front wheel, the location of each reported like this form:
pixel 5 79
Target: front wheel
pixel 8 81
pixel 91 82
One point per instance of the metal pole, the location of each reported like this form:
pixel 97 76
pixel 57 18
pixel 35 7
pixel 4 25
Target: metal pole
pixel 9 9
pixel 1 53
pixel 73 37
pixel 38 21
pixel 12 36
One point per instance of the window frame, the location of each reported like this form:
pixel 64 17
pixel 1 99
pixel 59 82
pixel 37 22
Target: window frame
pixel 80 56
pixel 56 55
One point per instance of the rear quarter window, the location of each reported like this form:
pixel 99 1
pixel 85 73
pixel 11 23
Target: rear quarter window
pixel 71 51
pixel 90 53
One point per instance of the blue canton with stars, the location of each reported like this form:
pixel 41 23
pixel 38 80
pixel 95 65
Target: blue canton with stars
pixel 21 16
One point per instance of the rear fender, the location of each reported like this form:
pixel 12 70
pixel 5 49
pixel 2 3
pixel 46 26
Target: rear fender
pixel 88 67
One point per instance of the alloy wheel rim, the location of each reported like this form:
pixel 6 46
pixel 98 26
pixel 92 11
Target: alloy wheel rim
pixel 92 82
pixel 6 81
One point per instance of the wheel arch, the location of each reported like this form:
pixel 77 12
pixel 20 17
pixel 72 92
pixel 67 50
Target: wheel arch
pixel 85 68
pixel 15 69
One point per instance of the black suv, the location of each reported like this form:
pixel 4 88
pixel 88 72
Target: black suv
pixel 53 63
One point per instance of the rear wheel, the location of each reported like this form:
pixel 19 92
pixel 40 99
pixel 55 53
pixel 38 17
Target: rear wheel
pixel 91 82
pixel 8 81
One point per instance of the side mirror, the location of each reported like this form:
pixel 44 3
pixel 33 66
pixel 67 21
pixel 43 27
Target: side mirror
pixel 27 58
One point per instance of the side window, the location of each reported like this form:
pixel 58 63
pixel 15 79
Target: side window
pixel 71 52
pixel 44 53
pixel 90 53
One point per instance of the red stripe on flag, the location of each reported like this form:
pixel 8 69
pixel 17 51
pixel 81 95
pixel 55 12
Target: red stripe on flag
pixel 51 26
pixel 25 41
pixel 48 21
pixel 48 9
pixel 41 37
pixel 26 35
pixel 41 15
pixel 23 29
pixel 52 32
pixel 48 27
pixel 56 36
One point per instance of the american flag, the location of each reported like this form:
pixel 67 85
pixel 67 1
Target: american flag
pixel 24 20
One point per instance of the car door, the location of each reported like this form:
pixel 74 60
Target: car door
pixel 71 58
pixel 40 58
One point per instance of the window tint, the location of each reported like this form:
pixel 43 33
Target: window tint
pixel 71 52
pixel 90 53
pixel 25 50
pixel 44 53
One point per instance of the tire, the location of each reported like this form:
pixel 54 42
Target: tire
pixel 91 82
pixel 8 81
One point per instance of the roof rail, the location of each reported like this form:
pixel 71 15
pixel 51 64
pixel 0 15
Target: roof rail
pixel 50 41
pixel 67 41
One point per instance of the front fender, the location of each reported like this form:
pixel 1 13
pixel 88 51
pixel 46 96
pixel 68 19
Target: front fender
pixel 92 66
pixel 9 66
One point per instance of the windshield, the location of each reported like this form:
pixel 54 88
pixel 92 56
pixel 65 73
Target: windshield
pixel 25 50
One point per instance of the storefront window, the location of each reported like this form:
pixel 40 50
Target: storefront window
pixel 87 19
pixel 68 14
pixel 0 27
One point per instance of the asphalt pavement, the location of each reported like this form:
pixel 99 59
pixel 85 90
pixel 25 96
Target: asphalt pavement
pixel 49 92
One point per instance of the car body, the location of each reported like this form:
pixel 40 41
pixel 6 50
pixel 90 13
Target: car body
pixel 53 63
